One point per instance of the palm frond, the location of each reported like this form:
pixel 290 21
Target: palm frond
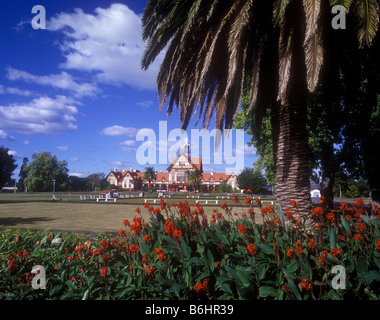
pixel 279 8
pixel 345 3
pixel 285 61
pixel 367 12
pixel 313 42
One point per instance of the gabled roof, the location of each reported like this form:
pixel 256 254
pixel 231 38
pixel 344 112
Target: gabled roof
pixel 162 175
pixel 120 175
pixel 206 176
pixel 196 163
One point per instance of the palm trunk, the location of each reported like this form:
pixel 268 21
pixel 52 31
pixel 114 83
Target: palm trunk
pixel 291 154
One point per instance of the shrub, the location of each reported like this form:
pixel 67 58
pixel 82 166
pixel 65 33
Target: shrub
pixel 180 253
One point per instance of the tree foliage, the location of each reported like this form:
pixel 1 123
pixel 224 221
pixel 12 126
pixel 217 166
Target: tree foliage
pixel 251 179
pixel 7 166
pixel 45 168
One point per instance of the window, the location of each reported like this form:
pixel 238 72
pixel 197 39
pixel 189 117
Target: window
pixel 181 176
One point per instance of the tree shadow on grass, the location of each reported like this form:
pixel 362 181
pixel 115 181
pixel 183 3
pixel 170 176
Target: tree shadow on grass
pixel 13 221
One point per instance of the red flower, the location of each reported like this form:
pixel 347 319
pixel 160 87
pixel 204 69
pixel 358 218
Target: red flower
pixel 305 285
pixel 147 239
pixel 378 245
pixel 104 271
pixel 133 248
pixel 122 233
pixel 201 286
pixel 150 270
pixel 335 252
pixel 357 237
pixel 322 257
pixel 251 249
pixel 247 201
pixel 126 222
pixel 235 199
pixel 298 247
pixel 311 244
pixel 241 229
pixel 160 254
pixel 249 191
pixel 290 253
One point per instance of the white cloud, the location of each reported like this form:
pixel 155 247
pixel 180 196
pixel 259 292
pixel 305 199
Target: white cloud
pixel 107 42
pixel 73 159
pixel 128 143
pixel 76 174
pixel 63 148
pixel 15 91
pixel 119 131
pixel 25 141
pixel 40 116
pixel 6 136
pixel 145 104
pixel 15 154
pixel 60 81
pixel 118 163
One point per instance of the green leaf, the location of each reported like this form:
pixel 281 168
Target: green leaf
pixel 371 276
pixel 55 289
pixel 291 284
pixel 261 271
pixel 332 238
pixel 280 214
pixel 209 260
pixel 266 249
pixel 292 267
pixel 345 224
pixel 176 287
pixel 86 294
pixel 267 291
pixel 185 249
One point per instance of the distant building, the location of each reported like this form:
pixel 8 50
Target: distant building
pixel 126 179
pixel 176 179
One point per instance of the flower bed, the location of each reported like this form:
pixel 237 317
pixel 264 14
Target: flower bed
pixel 181 254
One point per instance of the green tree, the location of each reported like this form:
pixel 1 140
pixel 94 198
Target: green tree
pixel 45 168
pixel 194 178
pixel 97 181
pixel 7 166
pixel 225 187
pixel 212 47
pixel 251 179
pixel 79 184
pixel 23 174
pixel 149 174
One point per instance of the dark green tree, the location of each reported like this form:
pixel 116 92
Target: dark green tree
pixel 23 174
pixel 45 168
pixel 7 166
pixel 251 179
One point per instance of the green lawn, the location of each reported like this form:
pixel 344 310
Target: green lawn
pixel 69 213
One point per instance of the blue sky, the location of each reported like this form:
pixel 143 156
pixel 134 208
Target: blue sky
pixel 76 88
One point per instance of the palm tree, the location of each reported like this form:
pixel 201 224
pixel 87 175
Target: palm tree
pixel 149 174
pixel 194 178
pixel 214 47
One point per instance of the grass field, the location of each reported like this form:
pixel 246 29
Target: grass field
pixel 69 213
